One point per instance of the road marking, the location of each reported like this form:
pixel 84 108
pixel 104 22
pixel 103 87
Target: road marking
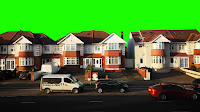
pixel 96 101
pixel 164 101
pixel 28 102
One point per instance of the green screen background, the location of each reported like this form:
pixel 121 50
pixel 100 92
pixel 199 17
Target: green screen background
pixel 60 17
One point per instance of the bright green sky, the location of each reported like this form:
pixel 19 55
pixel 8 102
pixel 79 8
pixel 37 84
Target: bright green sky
pixel 59 17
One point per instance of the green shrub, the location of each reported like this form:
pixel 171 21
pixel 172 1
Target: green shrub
pixel 198 69
pixel 89 67
pixel 193 68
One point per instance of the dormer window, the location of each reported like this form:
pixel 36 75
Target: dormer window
pixel 151 33
pixel 167 33
pixel 174 32
pixel 88 34
pixel 181 32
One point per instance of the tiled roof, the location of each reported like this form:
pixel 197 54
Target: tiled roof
pixel 36 38
pixel 89 37
pixel 172 35
pixel 94 55
pixel 50 56
pixel 4 56
pixel 178 54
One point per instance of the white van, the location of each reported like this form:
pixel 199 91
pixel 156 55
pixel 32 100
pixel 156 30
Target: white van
pixel 60 82
pixel 49 68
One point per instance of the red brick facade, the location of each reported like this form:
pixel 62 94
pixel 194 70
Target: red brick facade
pixel 25 54
pixel 158 52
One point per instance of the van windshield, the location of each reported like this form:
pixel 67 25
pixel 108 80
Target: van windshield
pixel 73 78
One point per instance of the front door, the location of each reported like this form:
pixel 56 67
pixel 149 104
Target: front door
pixel 184 62
pixel 172 62
pixel 10 64
pixel 86 62
pixel 97 62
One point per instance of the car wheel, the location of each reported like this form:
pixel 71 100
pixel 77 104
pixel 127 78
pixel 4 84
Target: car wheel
pixel 100 90
pixel 194 97
pixel 163 97
pixel 122 90
pixel 47 90
pixel 75 91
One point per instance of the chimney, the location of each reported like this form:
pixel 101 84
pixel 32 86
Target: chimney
pixel 122 34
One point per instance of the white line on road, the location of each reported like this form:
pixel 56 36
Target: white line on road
pixel 28 102
pixel 164 101
pixel 96 101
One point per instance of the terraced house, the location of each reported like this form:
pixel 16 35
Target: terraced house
pixel 162 50
pixel 23 50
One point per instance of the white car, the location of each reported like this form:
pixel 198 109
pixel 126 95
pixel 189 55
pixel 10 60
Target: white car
pixel 60 82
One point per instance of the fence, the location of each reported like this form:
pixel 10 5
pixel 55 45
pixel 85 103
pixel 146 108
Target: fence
pixel 191 73
pixel 35 75
pixel 144 72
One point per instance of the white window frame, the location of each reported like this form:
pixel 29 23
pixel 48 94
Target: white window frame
pixel 2 64
pixel 70 47
pixel 57 48
pixel 26 61
pixel 45 60
pixel 158 60
pixel 46 48
pixel 113 60
pixel 196 59
pixel 70 60
pixel 158 45
pixel 9 65
pixel 113 46
pixel 197 46
pixel 172 46
pixel 97 47
pixel 181 47
pixel 25 47
pixel 3 49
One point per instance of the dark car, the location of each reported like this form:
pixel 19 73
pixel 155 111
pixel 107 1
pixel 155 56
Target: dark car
pixel 196 85
pixel 166 91
pixel 24 75
pixel 9 74
pixel 110 85
pixel 2 74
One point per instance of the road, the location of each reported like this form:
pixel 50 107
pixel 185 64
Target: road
pixel 100 103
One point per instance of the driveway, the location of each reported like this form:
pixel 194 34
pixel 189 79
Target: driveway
pixel 174 76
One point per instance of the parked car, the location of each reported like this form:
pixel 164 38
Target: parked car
pixel 166 91
pixel 2 74
pixel 110 85
pixel 60 82
pixel 196 85
pixel 25 75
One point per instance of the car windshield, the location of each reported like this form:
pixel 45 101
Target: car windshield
pixel 73 78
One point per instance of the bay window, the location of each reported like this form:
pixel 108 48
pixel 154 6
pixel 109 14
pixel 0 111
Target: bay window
pixel 197 59
pixel 25 47
pixel 197 46
pixel 158 59
pixel 158 45
pixel 70 47
pixel 71 61
pixel 26 61
pixel 2 64
pixel 113 46
pixel 113 60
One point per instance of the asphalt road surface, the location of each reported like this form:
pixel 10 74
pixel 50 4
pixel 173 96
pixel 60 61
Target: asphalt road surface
pixel 116 103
